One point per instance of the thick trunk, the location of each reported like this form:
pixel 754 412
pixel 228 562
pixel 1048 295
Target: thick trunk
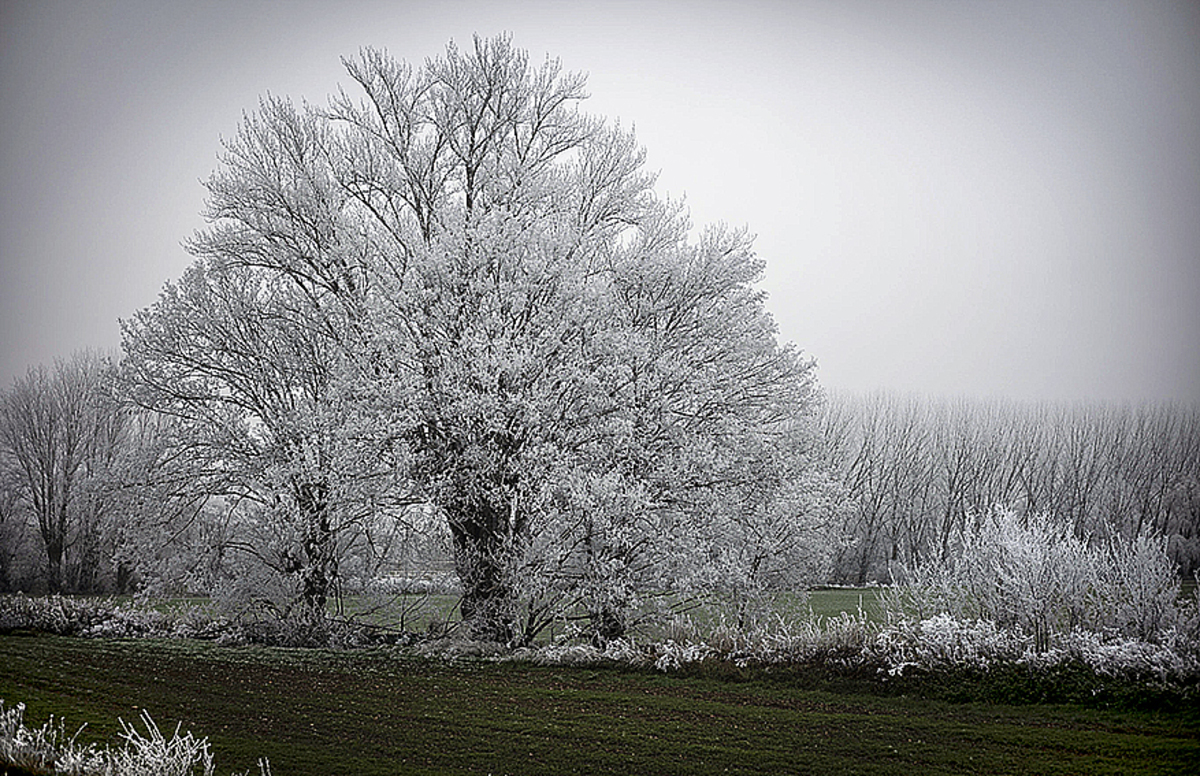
pixel 54 537
pixel 480 542
pixel 607 625
pixel 605 620
pixel 54 569
pixel 319 568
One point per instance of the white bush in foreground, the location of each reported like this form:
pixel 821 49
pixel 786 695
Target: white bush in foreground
pixel 49 749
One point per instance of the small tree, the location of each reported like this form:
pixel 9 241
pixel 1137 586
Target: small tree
pixel 246 365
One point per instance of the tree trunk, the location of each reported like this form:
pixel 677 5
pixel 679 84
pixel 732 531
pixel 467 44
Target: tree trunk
pixel 480 541
pixel 607 625
pixel 320 566
pixel 54 569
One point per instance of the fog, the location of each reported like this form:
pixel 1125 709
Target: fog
pixel 952 198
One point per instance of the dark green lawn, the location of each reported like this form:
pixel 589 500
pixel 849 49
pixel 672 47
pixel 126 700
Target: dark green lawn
pixel 373 712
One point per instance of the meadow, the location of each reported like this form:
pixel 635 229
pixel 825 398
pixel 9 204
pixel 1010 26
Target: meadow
pixel 383 711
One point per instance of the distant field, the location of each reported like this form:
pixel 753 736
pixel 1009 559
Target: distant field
pixel 833 601
pixel 373 712
pixel 418 612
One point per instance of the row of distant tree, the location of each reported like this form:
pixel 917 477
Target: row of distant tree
pixel 447 324
pixel 916 470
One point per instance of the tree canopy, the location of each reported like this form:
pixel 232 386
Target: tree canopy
pixel 452 287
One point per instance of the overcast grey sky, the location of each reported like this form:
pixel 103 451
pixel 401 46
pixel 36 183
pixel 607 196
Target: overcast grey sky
pixel 953 198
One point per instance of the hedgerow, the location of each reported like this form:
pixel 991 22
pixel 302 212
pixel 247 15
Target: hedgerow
pixel 102 618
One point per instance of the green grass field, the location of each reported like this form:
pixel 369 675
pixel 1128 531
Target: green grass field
pixel 416 612
pixel 823 603
pixel 830 602
pixel 374 712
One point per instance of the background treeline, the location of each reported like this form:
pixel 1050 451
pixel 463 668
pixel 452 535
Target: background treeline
pixel 93 497
pixel 66 486
pixel 915 470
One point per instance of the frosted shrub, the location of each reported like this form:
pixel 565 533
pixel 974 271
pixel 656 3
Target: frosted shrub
pixel 840 640
pixel 51 614
pixel 664 656
pixel 1032 575
pixel 1133 659
pixel 1139 587
pixel 153 754
pixel 674 655
pixel 34 750
pixel 49 750
pixel 850 642
pixel 943 641
pixel 64 616
pixel 98 618
pixel 1185 637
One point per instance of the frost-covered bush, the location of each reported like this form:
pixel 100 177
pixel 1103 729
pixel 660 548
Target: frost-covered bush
pixel 1138 586
pixel 1032 574
pixel 942 641
pixel 840 640
pixel 850 642
pixel 35 750
pixel 102 618
pixel 1186 634
pixel 1125 658
pixel 49 749
pixel 65 616
pixel 843 640
pixel 51 614
pixel 663 655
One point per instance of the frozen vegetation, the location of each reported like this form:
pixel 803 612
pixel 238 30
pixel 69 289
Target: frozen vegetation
pixel 442 341
pixel 50 750
pixel 1021 593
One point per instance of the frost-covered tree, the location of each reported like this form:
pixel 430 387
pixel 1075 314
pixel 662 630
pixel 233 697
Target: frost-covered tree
pixel 62 431
pixel 576 376
pixel 247 352
pixel 469 286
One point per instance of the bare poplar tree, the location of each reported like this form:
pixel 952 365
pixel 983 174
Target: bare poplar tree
pixel 922 475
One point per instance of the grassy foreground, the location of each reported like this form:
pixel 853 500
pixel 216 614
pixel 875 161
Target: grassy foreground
pixel 373 712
